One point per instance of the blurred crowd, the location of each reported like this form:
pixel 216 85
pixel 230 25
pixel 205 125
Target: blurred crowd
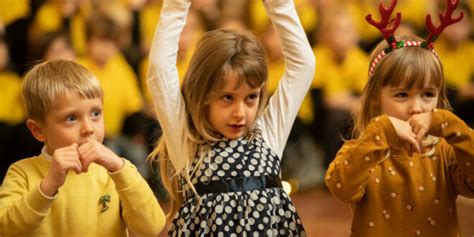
pixel 112 39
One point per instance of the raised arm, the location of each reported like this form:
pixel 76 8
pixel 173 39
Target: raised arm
pixel 283 107
pixel 163 79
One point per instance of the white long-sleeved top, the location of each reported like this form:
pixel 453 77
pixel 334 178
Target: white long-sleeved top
pixel 276 121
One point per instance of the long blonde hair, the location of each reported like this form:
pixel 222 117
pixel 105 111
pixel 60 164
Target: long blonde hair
pixel 218 53
pixel 409 66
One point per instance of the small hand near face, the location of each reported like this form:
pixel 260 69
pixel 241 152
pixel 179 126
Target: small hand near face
pixel 94 151
pixel 420 124
pixel 64 159
pixel 78 158
pixel 405 133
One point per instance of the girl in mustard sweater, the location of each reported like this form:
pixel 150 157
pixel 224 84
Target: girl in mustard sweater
pixel 411 157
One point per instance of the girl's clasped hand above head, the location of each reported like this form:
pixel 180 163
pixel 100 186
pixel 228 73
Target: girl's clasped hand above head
pixel 222 141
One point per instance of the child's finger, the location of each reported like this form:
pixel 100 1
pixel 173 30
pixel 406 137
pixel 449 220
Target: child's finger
pixel 86 154
pixel 78 167
pixel 415 127
pixel 85 165
pixel 72 165
pixel 412 140
pixel 420 135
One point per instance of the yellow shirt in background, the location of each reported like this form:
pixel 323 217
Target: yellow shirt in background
pixel 12 10
pixel 331 77
pixel 458 64
pixel 11 105
pixel 122 95
pixel 49 19
pixel 306 13
pixel 148 20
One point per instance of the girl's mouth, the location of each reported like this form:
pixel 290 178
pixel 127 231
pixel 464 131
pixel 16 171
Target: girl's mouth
pixel 236 127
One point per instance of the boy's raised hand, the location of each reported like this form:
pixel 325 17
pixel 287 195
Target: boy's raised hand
pixel 64 159
pixel 405 132
pixel 94 151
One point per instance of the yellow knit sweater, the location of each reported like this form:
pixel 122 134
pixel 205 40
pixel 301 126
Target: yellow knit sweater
pixel 96 203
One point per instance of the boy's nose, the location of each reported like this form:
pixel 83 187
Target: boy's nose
pixel 87 129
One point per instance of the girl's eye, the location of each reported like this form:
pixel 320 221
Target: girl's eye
pixel 227 98
pixel 430 94
pixel 401 95
pixel 252 97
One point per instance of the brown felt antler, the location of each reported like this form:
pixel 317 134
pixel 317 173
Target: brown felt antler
pixel 446 19
pixel 386 26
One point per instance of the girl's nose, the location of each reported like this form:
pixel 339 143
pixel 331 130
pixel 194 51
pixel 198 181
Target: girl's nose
pixel 415 107
pixel 239 110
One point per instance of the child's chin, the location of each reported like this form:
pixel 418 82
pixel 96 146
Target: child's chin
pixel 235 135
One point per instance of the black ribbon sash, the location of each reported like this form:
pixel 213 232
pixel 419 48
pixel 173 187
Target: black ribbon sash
pixel 238 184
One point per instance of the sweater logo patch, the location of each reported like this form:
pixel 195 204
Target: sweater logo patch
pixel 104 200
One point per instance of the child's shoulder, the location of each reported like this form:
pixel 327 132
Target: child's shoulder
pixel 30 165
pixel 32 161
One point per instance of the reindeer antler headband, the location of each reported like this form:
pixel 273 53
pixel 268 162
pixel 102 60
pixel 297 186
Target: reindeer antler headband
pixel 388 27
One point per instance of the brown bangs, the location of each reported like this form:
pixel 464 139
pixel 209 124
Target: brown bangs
pixel 252 72
pixel 414 69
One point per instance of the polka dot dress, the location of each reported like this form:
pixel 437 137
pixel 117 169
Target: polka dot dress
pixel 264 212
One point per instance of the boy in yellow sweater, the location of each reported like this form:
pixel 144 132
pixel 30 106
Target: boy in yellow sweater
pixel 103 196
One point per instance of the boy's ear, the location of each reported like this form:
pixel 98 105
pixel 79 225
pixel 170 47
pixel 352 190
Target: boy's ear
pixel 35 129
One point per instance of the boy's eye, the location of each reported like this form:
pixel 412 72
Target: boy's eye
pixel 71 118
pixel 96 113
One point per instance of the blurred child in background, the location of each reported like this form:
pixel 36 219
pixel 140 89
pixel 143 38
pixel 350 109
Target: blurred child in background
pixel 456 49
pixel 116 76
pixel 340 80
pixel 11 106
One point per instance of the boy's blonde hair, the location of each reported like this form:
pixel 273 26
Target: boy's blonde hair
pixel 46 81
pixel 218 54
pixel 407 66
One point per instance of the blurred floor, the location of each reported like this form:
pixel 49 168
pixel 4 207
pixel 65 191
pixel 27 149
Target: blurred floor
pixel 322 214
pixel 466 216
pixel 325 216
